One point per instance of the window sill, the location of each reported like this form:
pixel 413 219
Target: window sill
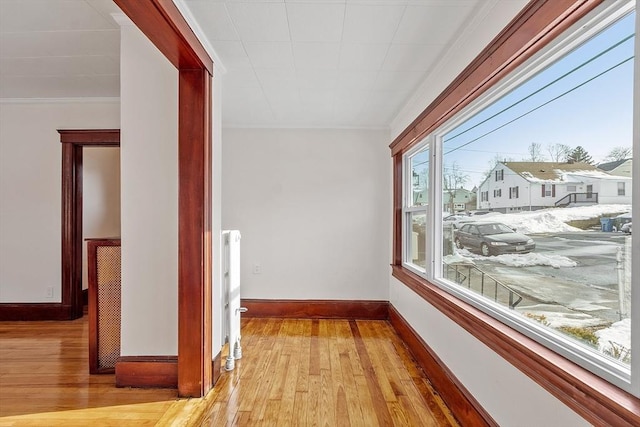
pixel 598 401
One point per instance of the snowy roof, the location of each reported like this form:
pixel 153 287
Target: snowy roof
pixel 551 171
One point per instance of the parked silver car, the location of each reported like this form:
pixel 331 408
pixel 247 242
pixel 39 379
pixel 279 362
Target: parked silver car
pixel 492 238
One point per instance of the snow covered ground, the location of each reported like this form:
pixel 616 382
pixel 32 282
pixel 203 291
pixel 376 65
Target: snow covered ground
pixel 513 260
pixel 613 340
pixel 555 220
pixel 615 336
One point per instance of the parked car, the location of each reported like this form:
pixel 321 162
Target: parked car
pixel 492 238
pixel 626 228
pixel 454 219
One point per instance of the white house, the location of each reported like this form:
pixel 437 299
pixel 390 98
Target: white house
pixel 619 167
pixel 517 186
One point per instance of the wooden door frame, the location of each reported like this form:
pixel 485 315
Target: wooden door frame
pixel 73 141
pixel 166 28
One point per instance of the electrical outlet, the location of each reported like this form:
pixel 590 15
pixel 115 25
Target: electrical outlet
pixel 50 292
pixel 257 269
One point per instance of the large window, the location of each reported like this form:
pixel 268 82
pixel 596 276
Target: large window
pixel 415 211
pixel 554 258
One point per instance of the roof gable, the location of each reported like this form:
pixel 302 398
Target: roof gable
pixel 609 166
pixel 547 171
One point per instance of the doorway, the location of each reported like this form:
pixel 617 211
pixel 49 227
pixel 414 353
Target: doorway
pixel 73 143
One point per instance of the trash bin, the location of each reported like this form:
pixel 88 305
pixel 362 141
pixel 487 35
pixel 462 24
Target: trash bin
pixel 606 224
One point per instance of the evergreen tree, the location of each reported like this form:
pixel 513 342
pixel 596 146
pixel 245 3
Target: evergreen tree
pixel 579 154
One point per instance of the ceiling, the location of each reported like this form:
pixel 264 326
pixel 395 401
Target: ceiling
pixel 287 63
pixel 59 49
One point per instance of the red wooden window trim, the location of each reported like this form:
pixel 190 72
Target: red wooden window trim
pixel 535 26
pixel 595 399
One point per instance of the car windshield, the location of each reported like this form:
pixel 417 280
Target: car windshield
pixel 487 229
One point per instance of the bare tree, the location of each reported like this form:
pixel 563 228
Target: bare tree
pixel 535 153
pixel 558 152
pixel 618 153
pixel 453 179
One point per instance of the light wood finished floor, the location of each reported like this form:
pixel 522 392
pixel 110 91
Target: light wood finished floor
pixel 45 381
pixel 293 373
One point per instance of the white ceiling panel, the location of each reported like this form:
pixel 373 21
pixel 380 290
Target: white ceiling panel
pixel 270 54
pixel 56 65
pixel 233 54
pixel 400 81
pixel 362 56
pixel 277 78
pixel 356 80
pixel 431 24
pixel 411 57
pixel 59 43
pixel 315 22
pixel 317 56
pixel 326 63
pixel 215 18
pixel 242 78
pixel 265 22
pixel 371 23
pixel 310 78
pixel 50 15
pixel 246 104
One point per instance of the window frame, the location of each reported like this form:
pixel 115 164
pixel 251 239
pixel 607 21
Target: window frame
pixel 570 383
pixel 622 189
pixel 409 207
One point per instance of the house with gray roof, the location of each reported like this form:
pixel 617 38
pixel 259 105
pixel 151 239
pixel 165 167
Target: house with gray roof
pixel 518 186
pixel 619 167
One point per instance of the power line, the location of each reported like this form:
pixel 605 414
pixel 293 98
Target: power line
pixel 545 86
pixel 542 105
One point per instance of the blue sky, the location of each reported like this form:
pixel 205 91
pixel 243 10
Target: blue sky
pixel 597 115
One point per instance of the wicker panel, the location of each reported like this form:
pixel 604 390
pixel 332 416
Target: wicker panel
pixel 108 267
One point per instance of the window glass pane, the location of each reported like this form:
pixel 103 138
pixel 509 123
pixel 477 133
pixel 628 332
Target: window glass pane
pixel 417 239
pixel 415 217
pixel 420 178
pixel 548 220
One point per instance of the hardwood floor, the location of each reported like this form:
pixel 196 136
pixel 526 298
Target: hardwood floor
pixel 45 381
pixel 323 372
pixel 293 372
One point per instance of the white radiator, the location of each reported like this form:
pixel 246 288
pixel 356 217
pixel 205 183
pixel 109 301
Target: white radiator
pixel 231 296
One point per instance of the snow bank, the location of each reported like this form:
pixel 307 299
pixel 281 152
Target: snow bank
pixel 555 220
pixel 618 333
pixel 463 256
pixel 531 259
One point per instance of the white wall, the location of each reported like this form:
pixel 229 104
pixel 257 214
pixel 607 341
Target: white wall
pixel 100 197
pixel 30 185
pixel 313 207
pixel 149 198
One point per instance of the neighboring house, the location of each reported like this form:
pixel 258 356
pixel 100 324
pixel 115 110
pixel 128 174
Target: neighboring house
pixel 618 168
pixel 518 186
pixel 463 200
